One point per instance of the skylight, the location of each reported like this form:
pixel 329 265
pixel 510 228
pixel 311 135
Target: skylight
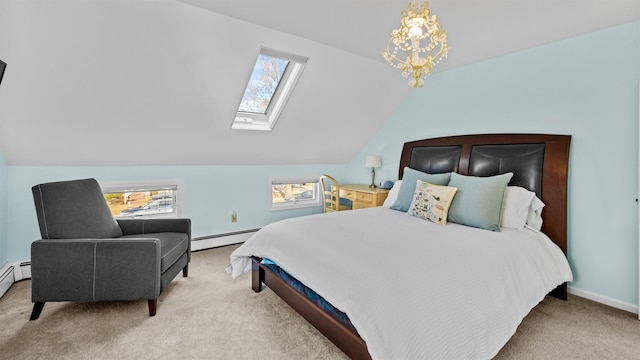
pixel 272 80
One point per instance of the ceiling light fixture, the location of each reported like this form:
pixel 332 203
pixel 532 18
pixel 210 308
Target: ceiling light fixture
pixel 404 49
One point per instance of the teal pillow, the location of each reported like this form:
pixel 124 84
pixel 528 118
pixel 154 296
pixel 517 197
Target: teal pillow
pixel 408 186
pixel 478 202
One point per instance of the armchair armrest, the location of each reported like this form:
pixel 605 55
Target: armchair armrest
pixel 148 226
pixel 95 269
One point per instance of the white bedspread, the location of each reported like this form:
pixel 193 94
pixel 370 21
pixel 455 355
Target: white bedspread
pixel 414 289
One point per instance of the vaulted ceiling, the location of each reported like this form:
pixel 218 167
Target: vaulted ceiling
pixel 157 82
pixel 477 30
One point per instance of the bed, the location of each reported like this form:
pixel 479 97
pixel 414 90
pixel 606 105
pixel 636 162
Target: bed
pixel 380 284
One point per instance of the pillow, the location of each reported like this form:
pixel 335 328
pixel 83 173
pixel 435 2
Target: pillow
pixel 408 187
pixel 392 195
pixel 431 202
pixel 534 216
pixel 478 202
pixel 515 207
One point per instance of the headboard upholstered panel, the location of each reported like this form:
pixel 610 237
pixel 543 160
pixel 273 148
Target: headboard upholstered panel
pixel 523 160
pixel 540 163
pixel 436 159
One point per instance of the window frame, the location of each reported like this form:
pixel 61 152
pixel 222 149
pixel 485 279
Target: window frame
pixel 316 202
pixel 142 186
pixel 267 121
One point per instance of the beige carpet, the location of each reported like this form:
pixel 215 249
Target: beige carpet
pixel 210 316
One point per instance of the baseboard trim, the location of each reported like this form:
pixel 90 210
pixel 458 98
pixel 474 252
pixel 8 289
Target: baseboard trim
pixel 7 278
pixel 13 272
pixel 213 241
pixel 603 299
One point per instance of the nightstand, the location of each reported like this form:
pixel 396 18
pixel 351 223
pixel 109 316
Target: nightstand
pixel 362 196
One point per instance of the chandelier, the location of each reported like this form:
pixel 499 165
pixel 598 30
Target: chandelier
pixel 405 50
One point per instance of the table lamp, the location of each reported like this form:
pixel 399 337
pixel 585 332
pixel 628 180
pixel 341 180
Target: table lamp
pixel 373 161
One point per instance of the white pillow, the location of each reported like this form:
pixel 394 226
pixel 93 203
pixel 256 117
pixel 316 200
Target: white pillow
pixel 393 194
pixel 534 216
pixel 515 207
pixel 520 208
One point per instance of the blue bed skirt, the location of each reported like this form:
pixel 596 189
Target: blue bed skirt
pixel 309 294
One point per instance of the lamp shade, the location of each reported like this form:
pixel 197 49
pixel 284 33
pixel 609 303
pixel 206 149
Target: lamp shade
pixel 372 161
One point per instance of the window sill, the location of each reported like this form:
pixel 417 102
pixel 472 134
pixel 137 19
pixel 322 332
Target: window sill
pixel 293 206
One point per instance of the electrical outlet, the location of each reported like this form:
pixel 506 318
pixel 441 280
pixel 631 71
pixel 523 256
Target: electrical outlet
pixel 234 217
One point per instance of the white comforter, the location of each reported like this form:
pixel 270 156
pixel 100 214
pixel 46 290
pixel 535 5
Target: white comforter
pixel 414 289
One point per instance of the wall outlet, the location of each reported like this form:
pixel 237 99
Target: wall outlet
pixel 234 217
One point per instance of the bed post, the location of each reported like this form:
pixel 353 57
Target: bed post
pixel 560 292
pixel 257 275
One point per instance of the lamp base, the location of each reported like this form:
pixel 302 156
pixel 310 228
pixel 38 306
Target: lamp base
pixel 373 176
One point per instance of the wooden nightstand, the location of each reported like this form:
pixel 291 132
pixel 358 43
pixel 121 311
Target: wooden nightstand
pixel 362 196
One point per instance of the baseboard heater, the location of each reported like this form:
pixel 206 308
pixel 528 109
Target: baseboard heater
pixel 7 278
pixel 13 272
pixel 217 240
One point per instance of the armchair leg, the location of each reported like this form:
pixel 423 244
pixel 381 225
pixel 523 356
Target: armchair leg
pixel 153 305
pixel 185 271
pixel 37 309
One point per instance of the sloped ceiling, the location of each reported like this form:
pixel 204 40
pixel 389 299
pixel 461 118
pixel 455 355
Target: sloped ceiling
pixel 157 82
pixel 477 30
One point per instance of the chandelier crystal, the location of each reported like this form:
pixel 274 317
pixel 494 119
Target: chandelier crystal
pixel 418 45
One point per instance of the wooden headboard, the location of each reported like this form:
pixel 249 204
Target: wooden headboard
pixel 540 163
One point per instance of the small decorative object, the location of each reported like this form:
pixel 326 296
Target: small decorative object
pixel 405 50
pixel 373 161
pixel 387 184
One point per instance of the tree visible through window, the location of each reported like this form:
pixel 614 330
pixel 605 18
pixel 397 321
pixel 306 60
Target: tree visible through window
pixel 271 82
pixel 265 77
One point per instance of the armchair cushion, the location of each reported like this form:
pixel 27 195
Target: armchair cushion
pixel 73 210
pixel 172 246
pixel 149 226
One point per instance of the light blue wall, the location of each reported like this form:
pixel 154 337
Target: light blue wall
pixel 586 87
pixel 4 170
pixel 211 194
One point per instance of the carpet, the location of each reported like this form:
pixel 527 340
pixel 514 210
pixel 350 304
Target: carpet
pixel 210 316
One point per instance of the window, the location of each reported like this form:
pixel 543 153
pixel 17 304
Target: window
pixel 273 77
pixel 294 193
pixel 142 200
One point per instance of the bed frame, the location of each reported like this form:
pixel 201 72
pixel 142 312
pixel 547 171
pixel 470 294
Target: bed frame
pixel 540 163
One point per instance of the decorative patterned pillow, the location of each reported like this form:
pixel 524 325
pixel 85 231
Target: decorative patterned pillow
pixel 431 202
pixel 408 187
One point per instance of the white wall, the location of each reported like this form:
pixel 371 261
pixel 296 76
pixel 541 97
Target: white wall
pixel 148 83
pixel 158 82
pixel 586 87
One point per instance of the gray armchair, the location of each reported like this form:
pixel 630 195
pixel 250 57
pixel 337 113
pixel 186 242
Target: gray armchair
pixel 87 255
